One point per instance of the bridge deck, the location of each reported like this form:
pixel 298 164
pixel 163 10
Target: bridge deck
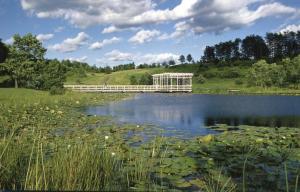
pixel 130 88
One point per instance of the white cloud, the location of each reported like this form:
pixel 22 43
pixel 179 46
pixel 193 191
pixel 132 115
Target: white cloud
pixel 112 29
pixel 59 29
pixel 144 36
pixel 198 16
pixel 181 29
pixel 71 44
pixel 218 16
pixel 44 37
pixel 99 45
pixel 293 28
pixel 81 59
pixel 157 58
pixel 116 55
pixel 87 13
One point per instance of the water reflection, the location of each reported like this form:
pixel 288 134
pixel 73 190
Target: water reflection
pixel 190 114
pixel 275 121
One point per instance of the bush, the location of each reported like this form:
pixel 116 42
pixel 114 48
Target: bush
pixel 230 73
pixel 210 74
pixel 146 79
pixel 133 80
pixel 56 91
pixel 80 72
pixel 78 81
pixel 200 79
pixel 239 82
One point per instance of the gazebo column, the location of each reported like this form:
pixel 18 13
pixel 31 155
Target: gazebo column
pixel 160 82
pixel 177 81
pixel 171 84
pixel 167 78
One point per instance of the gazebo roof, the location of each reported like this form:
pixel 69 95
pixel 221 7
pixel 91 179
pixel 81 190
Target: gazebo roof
pixel 173 75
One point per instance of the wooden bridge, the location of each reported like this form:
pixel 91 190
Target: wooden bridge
pixel 165 82
pixel 129 88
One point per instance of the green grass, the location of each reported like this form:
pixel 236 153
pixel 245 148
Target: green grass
pixel 115 78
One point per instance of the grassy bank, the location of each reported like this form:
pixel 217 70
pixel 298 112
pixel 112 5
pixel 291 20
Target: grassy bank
pixel 46 143
pixel 212 85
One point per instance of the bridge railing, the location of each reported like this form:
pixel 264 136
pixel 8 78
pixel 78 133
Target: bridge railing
pixel 130 88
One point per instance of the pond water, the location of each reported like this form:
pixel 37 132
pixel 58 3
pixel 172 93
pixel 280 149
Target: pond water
pixel 189 115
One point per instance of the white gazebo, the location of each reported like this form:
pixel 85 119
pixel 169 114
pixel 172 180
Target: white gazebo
pixel 173 82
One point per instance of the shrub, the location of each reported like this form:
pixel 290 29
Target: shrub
pixel 56 91
pixel 231 73
pixel 239 82
pixel 133 80
pixel 200 79
pixel 146 79
pixel 78 81
pixel 210 74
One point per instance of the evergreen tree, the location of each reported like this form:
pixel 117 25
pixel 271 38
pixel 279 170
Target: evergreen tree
pixel 189 58
pixel 182 59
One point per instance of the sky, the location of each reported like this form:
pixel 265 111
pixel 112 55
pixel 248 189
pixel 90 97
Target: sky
pixel 111 32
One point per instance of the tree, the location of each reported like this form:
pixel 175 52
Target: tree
pixel 53 75
pixel 171 62
pixel 227 51
pixel 236 54
pixel 3 52
pixel 182 59
pixel 164 63
pixel 292 69
pixel 275 45
pixel 277 74
pixel 254 47
pixel 25 55
pixel 189 58
pixel 209 54
pixel 258 74
pixel 107 70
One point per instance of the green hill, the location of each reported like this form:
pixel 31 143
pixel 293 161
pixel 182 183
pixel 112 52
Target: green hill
pixel 123 77
pixel 218 79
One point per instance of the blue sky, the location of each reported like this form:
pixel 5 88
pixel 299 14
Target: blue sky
pixel 114 32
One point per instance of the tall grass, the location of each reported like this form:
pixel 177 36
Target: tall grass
pixel 216 182
pixel 33 158
pixel 78 167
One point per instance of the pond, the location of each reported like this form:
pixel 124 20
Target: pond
pixel 187 115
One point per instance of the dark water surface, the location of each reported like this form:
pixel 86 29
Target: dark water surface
pixel 189 114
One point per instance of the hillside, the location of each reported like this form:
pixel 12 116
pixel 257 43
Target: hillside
pixel 215 85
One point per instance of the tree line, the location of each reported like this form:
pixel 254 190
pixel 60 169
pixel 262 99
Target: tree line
pixel 25 63
pixel 273 47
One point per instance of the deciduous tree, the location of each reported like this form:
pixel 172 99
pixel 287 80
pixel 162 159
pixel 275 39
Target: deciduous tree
pixel 25 55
